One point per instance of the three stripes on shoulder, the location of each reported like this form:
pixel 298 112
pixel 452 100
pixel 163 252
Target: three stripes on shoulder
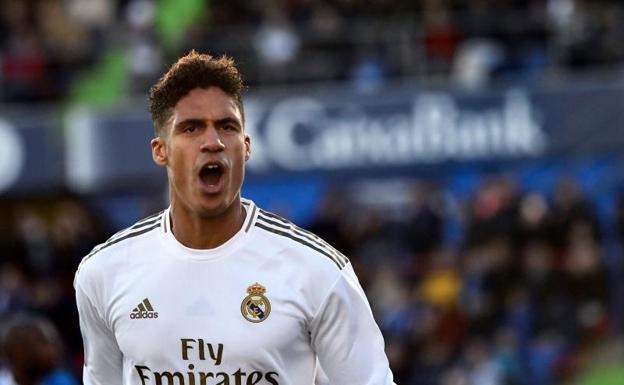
pixel 275 224
pixel 141 227
pixel 265 220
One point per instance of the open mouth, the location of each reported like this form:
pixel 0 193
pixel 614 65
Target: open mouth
pixel 211 174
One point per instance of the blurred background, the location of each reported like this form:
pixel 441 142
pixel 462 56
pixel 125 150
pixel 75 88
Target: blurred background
pixel 466 155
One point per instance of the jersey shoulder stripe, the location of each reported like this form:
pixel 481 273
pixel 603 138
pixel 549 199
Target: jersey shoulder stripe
pixel 277 225
pixel 141 227
pixel 289 235
pixel 304 233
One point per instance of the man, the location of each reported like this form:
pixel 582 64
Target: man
pixel 32 350
pixel 214 290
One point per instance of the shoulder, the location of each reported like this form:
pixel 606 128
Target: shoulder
pixel 102 253
pixel 299 241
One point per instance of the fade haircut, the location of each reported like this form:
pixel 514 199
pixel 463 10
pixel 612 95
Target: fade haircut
pixel 191 71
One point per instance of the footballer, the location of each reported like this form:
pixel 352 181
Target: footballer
pixel 214 290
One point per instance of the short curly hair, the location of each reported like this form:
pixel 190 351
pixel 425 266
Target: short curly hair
pixel 194 70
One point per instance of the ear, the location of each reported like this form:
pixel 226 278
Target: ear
pixel 247 147
pixel 159 151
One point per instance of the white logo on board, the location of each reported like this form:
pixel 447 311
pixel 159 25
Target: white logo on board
pixel 300 134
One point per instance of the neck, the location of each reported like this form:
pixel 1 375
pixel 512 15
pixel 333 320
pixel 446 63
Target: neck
pixel 199 231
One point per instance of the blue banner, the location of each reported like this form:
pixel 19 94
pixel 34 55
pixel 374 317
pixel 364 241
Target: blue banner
pixel 325 131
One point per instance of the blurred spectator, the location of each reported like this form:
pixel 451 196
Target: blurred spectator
pixel 430 363
pixel 39 259
pixel 441 284
pixel 441 36
pixel 330 219
pixel 276 43
pixel 543 354
pixel 367 75
pixel 13 289
pixel 480 366
pixel 143 52
pixel 49 46
pixel 424 222
pixel 518 303
pixel 74 231
pixel 536 220
pixel 571 209
pixel 38 250
pixel 95 14
pixel 32 351
pixel 24 65
pixel 586 281
pixel 493 212
pixel 507 357
pixel 476 61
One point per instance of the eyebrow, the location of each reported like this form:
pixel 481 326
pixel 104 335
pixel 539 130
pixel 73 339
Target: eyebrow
pixel 201 122
pixel 224 121
pixel 189 121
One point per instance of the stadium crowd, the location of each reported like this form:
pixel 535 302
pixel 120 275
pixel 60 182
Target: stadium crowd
pixel 518 301
pixel 505 288
pixel 48 47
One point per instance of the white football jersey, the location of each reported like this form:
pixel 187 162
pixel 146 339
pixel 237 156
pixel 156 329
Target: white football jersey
pixel 260 309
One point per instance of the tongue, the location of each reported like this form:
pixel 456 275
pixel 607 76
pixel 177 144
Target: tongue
pixel 211 177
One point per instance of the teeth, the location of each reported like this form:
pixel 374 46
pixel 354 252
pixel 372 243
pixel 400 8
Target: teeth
pixel 212 166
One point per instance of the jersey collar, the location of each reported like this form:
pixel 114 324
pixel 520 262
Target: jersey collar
pixel 178 249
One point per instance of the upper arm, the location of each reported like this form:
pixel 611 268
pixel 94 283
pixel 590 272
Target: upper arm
pixel 346 338
pixel 102 356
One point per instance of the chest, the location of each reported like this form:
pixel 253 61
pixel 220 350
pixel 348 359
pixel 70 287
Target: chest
pixel 208 315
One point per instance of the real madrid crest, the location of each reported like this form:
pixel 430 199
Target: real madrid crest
pixel 256 307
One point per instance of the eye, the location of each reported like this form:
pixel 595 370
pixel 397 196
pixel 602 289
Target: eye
pixel 190 128
pixel 230 127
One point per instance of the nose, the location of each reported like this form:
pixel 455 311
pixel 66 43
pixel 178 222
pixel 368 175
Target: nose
pixel 211 141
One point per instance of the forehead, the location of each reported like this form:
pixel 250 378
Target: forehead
pixel 206 104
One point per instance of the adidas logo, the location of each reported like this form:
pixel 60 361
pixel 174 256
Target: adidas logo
pixel 144 310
